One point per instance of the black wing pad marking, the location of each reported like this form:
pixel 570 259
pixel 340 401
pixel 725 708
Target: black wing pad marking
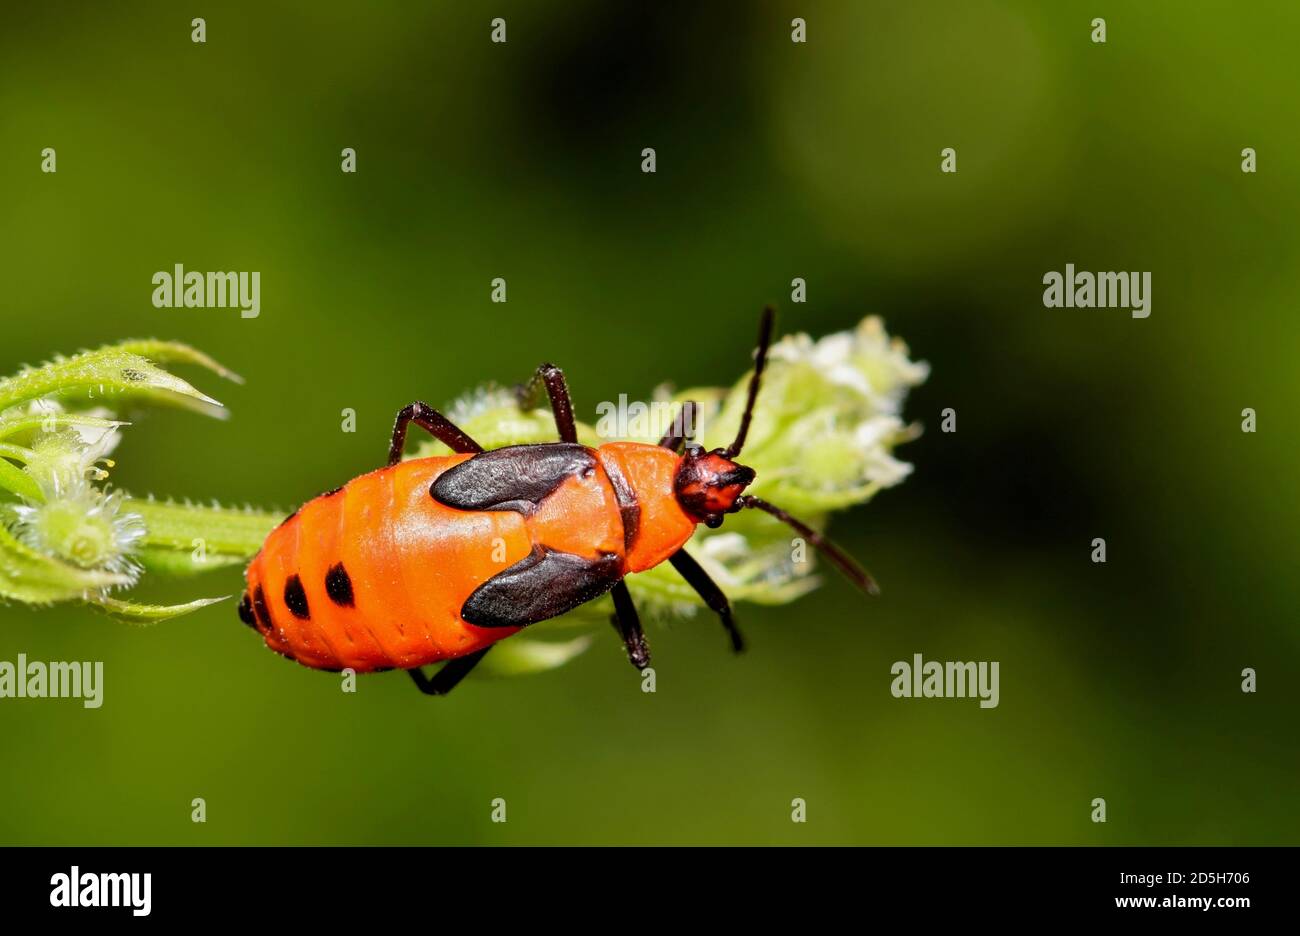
pixel 517 477
pixel 544 584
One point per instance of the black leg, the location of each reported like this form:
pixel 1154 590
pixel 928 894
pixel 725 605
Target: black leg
pixel 438 426
pixel 683 427
pixel 708 589
pixel 450 675
pixel 628 624
pixel 552 378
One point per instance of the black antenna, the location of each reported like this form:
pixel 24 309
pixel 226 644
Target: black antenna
pixel 764 340
pixel 842 560
pixel 682 428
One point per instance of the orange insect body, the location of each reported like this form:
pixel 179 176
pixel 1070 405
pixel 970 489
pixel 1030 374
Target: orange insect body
pixel 439 558
pixel 412 562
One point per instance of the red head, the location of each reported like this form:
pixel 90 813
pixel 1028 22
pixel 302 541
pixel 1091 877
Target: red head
pixel 708 484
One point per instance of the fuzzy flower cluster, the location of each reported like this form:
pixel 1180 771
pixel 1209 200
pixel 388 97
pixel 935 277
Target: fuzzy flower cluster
pixel 822 440
pixel 60 510
pixel 64 534
pixel 829 417
pixel 77 521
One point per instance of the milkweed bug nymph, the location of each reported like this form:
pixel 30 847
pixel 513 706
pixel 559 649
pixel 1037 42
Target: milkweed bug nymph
pixel 436 559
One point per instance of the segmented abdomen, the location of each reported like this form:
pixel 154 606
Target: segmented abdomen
pixel 373 575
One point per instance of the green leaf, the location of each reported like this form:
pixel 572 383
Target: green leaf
pixel 108 372
pixel 227 534
pixel 146 614
pixel 174 352
pixel 14 479
pixel 23 423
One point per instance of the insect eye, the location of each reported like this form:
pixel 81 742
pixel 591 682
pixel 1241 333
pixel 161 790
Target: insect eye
pixel 713 521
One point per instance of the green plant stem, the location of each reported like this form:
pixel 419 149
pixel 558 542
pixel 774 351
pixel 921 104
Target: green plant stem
pixel 224 534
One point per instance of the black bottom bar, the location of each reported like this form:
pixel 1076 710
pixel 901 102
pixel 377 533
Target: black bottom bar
pixel 342 885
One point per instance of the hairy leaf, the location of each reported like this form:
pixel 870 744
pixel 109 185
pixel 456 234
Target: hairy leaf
pixel 146 614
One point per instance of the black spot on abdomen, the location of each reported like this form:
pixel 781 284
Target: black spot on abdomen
pixel 338 585
pixel 246 611
pixel 296 598
pixel 260 609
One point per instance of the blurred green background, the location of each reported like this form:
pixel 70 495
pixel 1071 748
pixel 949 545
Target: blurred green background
pixel 775 160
